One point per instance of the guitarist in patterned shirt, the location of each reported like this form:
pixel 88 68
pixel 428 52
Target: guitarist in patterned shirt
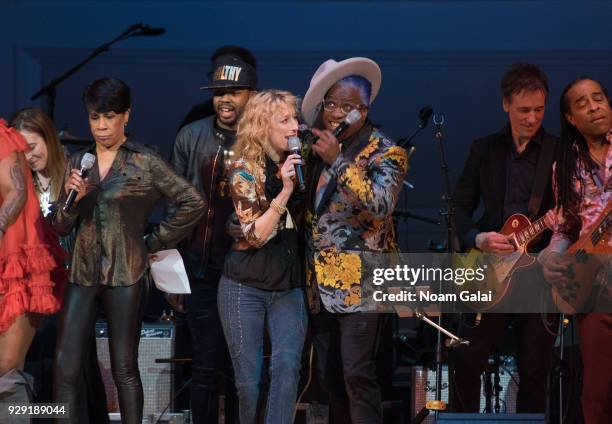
pixel 510 172
pixel 583 185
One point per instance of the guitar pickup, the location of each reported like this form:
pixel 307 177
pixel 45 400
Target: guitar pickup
pixel 512 240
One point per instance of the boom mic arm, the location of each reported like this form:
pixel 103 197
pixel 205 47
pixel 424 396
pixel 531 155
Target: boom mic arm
pixel 424 117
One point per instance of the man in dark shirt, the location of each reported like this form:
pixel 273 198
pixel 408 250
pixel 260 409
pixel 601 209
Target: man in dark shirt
pixel 200 153
pixel 510 172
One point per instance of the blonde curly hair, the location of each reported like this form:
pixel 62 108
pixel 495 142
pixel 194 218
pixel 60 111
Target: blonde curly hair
pixel 252 133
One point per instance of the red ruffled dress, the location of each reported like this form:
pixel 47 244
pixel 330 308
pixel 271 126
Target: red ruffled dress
pixel 29 251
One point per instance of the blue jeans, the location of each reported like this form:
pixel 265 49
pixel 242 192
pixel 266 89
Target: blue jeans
pixel 244 311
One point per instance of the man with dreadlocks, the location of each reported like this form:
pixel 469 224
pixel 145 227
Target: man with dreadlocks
pixel 583 186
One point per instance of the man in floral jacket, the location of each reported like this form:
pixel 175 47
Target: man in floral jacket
pixel 354 182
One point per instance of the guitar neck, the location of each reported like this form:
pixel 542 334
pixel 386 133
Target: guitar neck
pixel 602 227
pixel 528 234
pixel 600 230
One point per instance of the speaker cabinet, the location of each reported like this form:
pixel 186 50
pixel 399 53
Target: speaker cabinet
pixel 424 388
pixel 156 341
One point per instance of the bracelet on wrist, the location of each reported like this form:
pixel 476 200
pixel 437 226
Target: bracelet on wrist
pixel 277 208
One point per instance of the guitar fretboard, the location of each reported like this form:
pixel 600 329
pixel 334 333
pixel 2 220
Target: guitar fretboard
pixel 527 234
pixel 600 231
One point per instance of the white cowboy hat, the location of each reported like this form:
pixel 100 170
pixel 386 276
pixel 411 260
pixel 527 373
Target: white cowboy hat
pixel 329 73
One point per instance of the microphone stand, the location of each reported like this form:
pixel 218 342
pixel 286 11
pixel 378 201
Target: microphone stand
pixel 424 115
pixel 438 405
pixel 452 241
pixel 50 91
pixel 406 142
pixel 449 216
pixel 408 214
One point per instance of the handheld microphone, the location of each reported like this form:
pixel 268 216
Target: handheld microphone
pixel 309 138
pixel 352 117
pixel 295 147
pixel 87 163
pixel 148 31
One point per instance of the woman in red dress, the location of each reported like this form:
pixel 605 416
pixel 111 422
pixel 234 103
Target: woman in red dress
pixel 29 252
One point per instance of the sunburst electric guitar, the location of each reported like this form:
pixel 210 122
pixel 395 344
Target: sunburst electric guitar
pixel 520 232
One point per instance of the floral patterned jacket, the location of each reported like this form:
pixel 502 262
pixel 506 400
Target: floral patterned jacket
pixel 247 183
pixel 247 187
pixel 354 215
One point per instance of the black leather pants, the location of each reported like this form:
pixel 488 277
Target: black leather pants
pixel 124 307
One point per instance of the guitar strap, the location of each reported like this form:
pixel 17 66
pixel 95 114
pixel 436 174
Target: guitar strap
pixel 543 173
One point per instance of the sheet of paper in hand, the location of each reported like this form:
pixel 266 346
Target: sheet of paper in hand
pixel 168 272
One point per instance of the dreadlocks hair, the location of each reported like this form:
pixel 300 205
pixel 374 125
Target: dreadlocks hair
pixel 573 153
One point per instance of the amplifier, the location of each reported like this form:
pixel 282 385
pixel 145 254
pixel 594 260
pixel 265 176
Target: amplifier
pixel 156 341
pixel 424 388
